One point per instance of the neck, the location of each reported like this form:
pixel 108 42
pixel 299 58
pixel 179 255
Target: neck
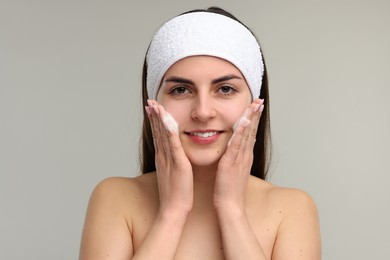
pixel 204 180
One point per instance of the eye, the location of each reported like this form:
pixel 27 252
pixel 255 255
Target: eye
pixel 178 90
pixel 227 90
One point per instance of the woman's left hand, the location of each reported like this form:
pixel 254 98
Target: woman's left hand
pixel 235 165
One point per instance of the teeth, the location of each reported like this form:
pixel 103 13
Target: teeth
pixel 204 135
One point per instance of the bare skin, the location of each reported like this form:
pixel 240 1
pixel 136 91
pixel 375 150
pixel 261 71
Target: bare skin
pixel 201 203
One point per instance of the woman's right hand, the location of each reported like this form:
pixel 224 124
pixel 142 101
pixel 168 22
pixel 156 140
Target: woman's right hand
pixel 173 169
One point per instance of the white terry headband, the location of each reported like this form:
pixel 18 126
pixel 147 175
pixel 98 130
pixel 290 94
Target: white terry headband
pixel 204 33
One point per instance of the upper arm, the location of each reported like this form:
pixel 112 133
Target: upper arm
pixel 106 233
pixel 299 232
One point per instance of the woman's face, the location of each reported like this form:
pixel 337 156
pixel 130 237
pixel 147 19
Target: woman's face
pixel 206 96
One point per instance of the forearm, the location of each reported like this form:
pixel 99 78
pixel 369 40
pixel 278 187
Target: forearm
pixel 163 238
pixel 238 238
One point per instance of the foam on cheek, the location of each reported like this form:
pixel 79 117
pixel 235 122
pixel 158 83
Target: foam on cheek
pixel 243 118
pixel 170 123
pixel 239 122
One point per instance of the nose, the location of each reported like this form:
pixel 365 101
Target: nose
pixel 203 108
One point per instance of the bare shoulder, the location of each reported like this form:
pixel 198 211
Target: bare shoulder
pixel 122 188
pixel 289 199
pixel 298 229
pixel 121 196
pixel 125 195
pixel 107 231
pixel 293 200
pixel 299 232
pixel 133 182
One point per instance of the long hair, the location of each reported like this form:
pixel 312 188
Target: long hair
pixel 262 148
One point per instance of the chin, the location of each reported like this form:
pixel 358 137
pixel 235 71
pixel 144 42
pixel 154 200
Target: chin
pixel 205 158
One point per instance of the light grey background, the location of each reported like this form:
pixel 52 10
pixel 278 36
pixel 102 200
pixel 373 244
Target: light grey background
pixel 70 109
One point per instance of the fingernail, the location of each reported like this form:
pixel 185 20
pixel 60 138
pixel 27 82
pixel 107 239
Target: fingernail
pixel 261 108
pixel 256 108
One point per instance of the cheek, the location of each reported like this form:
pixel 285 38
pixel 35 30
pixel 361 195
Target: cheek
pixel 233 113
pixel 178 112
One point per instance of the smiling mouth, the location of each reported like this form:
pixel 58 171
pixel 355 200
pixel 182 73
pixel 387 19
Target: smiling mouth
pixel 204 137
pixel 204 134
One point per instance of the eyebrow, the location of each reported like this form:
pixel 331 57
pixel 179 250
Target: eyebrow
pixel 179 80
pixel 176 79
pixel 225 78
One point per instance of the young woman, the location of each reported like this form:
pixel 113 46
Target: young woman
pixel 203 193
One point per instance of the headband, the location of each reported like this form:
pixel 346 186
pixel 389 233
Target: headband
pixel 204 33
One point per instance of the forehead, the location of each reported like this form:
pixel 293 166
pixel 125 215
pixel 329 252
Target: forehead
pixel 208 66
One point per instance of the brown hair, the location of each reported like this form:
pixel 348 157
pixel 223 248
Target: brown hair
pixel 262 149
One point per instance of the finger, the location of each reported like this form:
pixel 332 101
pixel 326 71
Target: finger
pixel 254 106
pixel 169 141
pixel 171 135
pixel 251 131
pixel 170 123
pixel 247 141
pixel 154 125
pixel 149 114
pixel 238 123
pixel 236 141
pixel 255 117
pixel 163 131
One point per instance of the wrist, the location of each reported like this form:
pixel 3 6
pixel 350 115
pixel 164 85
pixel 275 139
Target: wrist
pixel 175 216
pixel 230 211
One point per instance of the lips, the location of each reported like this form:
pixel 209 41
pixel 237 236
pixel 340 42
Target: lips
pixel 204 136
